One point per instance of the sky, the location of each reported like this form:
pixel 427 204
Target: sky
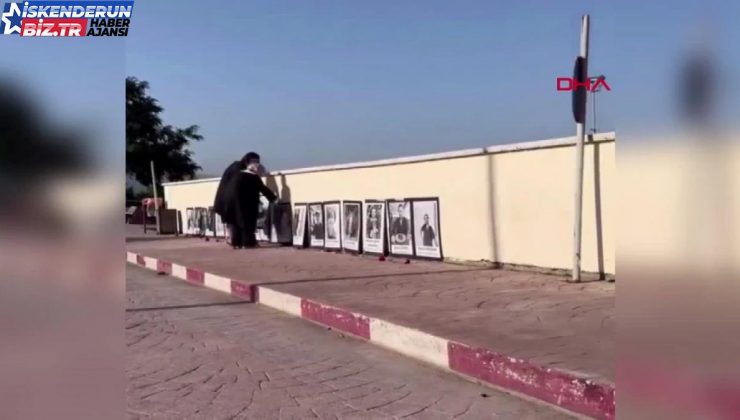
pixel 319 82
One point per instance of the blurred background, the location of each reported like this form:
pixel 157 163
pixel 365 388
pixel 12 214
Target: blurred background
pixel 62 183
pixel 678 257
pixel 674 104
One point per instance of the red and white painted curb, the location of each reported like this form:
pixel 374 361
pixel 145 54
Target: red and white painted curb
pixel 563 389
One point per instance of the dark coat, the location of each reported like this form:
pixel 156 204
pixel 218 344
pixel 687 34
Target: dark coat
pixel 226 194
pixel 249 186
pixel 400 226
pixel 317 230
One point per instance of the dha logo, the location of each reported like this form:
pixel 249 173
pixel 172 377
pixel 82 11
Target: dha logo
pixel 570 84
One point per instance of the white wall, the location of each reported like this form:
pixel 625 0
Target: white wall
pixel 510 204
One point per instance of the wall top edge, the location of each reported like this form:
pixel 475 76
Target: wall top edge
pixel 502 148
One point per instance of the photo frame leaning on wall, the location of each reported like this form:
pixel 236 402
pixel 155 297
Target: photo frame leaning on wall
pixel 210 223
pixel 189 221
pixel 400 234
pixel 220 228
pixel 352 226
pixel 201 216
pixel 332 225
pixel 316 225
pixel 300 210
pixel 262 231
pixel 194 221
pixel 281 221
pixel 427 236
pixel 373 227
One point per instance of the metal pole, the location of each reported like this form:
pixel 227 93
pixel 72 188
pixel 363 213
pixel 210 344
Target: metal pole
pixel 578 204
pixel 593 102
pixel 156 203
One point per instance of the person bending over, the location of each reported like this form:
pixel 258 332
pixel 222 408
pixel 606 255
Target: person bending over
pixel 249 186
pixel 225 203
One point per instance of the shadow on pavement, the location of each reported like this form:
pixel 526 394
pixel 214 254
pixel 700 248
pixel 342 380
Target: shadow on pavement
pixel 201 305
pixel 150 238
pixel 373 276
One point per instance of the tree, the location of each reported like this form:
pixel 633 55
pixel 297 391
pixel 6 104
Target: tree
pixel 149 139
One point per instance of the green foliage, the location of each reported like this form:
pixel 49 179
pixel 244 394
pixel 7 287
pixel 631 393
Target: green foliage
pixel 149 139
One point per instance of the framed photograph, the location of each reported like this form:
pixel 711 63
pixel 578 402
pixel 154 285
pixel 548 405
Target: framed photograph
pixel 316 225
pixel 210 222
pixel 262 232
pixel 332 225
pixel 194 221
pixel 219 227
pixel 427 239
pixel 299 224
pixel 351 225
pixel 400 235
pixel 201 214
pixel 189 221
pixel 373 227
pixel 281 232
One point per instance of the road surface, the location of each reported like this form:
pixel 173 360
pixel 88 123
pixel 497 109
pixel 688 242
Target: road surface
pixel 197 353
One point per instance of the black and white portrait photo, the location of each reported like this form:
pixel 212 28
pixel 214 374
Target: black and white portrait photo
pixel 316 224
pixel 351 225
pixel 299 224
pixel 332 224
pixel 189 221
pixel 201 216
pixel 219 226
pixel 427 242
pixel 281 222
pixel 399 227
pixel 210 222
pixel 262 233
pixel 194 221
pixel 373 227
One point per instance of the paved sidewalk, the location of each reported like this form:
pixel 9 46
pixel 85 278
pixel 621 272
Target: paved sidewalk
pixel 197 353
pixel 541 319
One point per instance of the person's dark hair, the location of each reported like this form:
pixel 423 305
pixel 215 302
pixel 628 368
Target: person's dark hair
pixel 249 157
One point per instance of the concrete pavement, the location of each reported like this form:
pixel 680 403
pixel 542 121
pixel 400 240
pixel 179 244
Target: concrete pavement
pixel 531 333
pixel 196 353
